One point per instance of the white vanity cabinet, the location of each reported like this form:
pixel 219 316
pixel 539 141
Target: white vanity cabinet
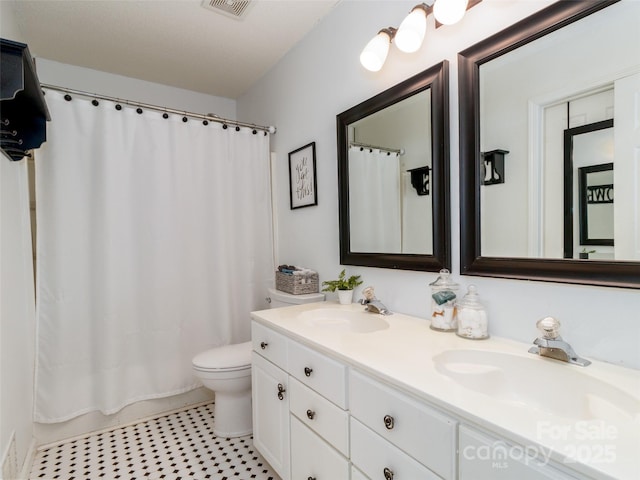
pixel 270 392
pixel 353 409
pixel 300 422
pixel 485 457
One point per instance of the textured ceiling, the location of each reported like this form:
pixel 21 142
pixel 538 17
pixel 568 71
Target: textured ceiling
pixel 172 42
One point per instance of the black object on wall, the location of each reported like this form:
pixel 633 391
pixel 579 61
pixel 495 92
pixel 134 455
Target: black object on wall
pixel 493 167
pixel 23 110
pixel 420 179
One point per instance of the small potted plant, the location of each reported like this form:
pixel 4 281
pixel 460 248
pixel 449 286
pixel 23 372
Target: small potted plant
pixel 344 286
pixel 584 254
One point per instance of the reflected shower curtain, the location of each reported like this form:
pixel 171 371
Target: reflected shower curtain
pixel 154 243
pixel 374 200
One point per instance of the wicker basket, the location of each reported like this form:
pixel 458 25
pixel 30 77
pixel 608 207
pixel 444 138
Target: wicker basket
pixel 297 284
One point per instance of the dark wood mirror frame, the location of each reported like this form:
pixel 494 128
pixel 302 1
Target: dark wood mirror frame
pixel 589 272
pixel 436 79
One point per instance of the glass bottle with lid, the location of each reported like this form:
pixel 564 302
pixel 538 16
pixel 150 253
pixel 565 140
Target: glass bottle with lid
pixel 472 316
pixel 443 296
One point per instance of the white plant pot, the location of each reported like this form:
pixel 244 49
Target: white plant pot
pixel 345 297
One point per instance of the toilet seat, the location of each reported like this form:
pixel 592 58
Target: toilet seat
pixel 227 358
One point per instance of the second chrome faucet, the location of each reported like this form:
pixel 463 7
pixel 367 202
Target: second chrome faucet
pixel 550 343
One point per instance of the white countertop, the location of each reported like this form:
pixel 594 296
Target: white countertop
pixel 402 355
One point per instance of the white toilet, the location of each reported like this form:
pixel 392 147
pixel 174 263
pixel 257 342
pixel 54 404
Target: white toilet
pixel 226 370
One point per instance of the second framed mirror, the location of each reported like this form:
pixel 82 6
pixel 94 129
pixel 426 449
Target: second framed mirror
pixel 393 175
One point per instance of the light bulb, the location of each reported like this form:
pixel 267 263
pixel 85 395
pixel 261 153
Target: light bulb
pixel 410 35
pixel 448 12
pixel 375 53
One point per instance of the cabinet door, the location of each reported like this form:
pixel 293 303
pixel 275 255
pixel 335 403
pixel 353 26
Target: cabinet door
pixel 482 457
pixel 312 458
pixel 271 414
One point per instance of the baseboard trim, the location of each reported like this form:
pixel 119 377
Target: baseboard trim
pixel 25 471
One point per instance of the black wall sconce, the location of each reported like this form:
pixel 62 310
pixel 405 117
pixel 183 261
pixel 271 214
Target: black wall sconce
pixel 493 167
pixel 420 179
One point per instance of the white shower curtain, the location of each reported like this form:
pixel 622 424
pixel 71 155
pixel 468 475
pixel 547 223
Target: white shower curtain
pixel 374 200
pixel 154 242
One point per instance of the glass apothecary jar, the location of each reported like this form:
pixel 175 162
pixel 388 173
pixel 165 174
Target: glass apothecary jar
pixel 443 308
pixel 472 316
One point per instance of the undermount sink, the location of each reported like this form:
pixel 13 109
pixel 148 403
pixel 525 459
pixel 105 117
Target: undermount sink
pixel 543 384
pixel 345 321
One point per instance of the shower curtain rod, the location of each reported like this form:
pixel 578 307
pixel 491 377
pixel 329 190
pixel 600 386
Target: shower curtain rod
pixel 209 117
pixel 385 149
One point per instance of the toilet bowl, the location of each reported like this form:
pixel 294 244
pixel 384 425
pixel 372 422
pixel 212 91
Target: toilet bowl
pixel 226 371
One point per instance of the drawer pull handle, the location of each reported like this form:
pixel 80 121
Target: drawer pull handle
pixel 311 414
pixel 388 474
pixel 281 390
pixel 388 422
pixel 263 345
pixel 307 371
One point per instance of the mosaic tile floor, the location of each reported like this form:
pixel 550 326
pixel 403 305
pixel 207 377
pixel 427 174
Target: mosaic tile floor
pixel 177 446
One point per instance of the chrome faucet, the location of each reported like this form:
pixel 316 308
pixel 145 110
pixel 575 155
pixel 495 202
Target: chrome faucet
pixel 550 343
pixel 373 305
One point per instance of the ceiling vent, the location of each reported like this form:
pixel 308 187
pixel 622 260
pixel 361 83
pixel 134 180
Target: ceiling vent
pixel 231 8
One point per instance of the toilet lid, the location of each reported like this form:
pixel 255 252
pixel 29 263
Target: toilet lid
pixel 227 357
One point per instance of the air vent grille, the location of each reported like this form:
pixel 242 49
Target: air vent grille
pixel 231 8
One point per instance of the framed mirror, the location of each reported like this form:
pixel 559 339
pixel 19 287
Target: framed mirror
pixel 571 64
pixel 393 176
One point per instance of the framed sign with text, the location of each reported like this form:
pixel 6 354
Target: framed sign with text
pixel 302 177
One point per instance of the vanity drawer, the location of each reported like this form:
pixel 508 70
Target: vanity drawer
pixel 312 458
pixel 380 460
pixel 319 414
pixel 357 474
pixel 423 432
pixel 323 374
pixel 270 344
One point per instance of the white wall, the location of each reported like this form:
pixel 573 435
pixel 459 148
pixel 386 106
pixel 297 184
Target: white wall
pixel 322 77
pixel 117 86
pixel 17 311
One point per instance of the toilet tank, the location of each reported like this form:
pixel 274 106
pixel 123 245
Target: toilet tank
pixel 278 298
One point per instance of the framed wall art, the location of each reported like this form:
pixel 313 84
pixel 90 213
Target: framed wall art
pixel 302 177
pixel 596 204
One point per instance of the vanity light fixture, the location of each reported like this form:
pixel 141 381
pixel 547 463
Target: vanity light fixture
pixel 375 53
pixel 410 35
pixel 493 167
pixel 411 32
pixel 448 12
